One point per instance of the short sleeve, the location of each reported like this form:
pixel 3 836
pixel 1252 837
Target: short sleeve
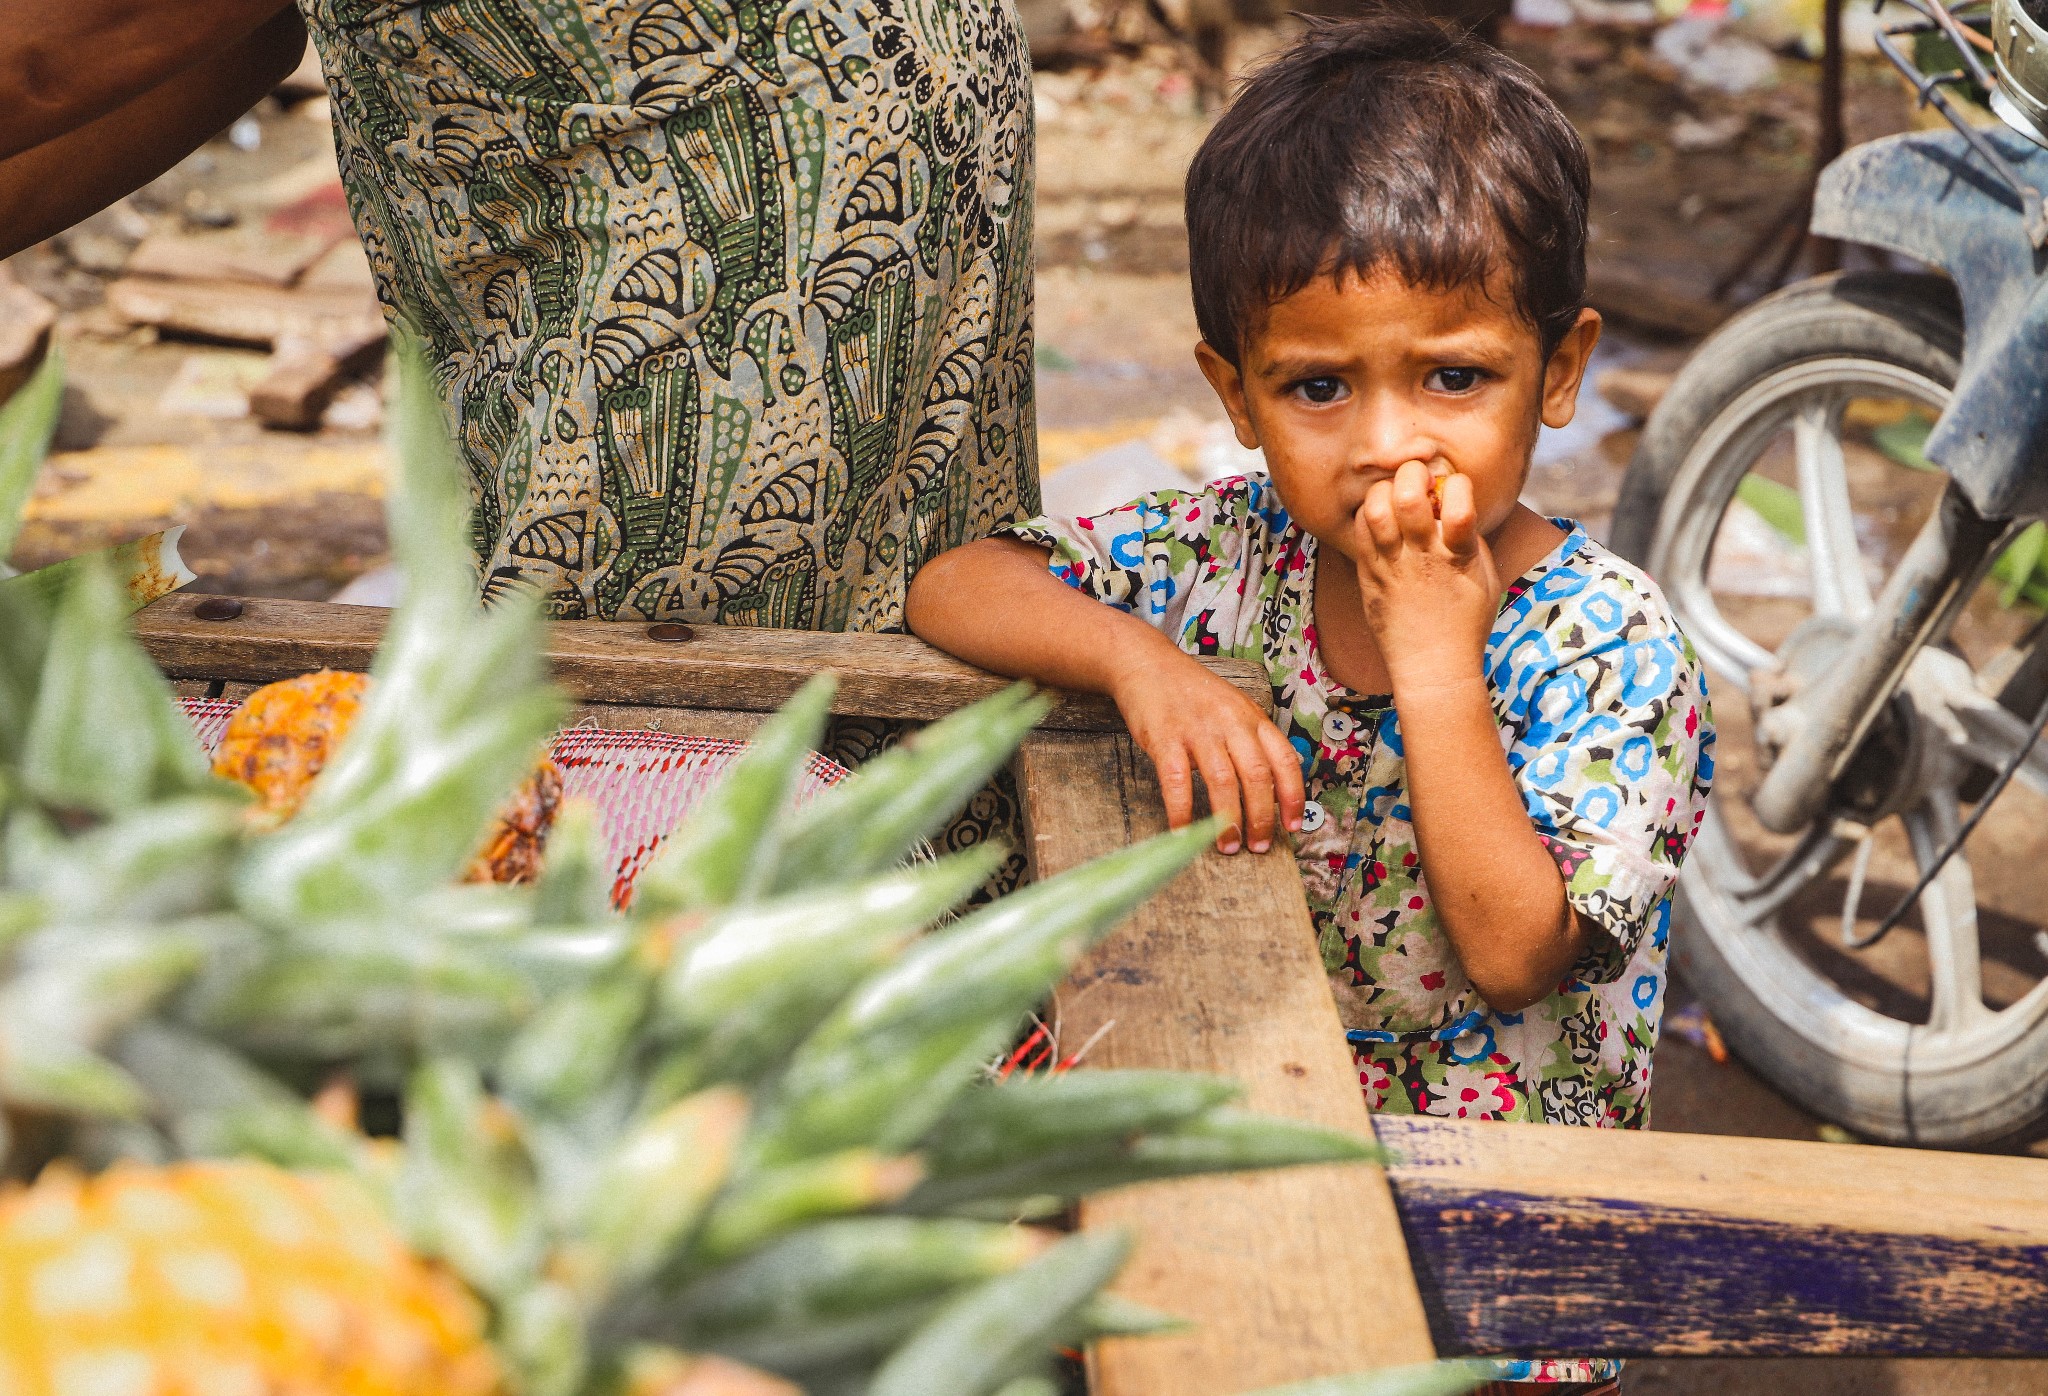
pixel 1160 557
pixel 1614 765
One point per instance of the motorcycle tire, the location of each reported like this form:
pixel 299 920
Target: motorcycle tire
pixel 1840 1061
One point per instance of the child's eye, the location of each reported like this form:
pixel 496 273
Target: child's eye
pixel 1454 380
pixel 1320 389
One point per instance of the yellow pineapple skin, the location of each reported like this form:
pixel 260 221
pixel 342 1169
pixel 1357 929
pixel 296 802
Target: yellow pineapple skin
pixel 224 1279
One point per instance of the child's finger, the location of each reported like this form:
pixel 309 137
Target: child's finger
pixel 1212 758
pixel 1412 511
pixel 1287 786
pixel 1377 513
pixel 1176 784
pixel 1460 521
pixel 1255 788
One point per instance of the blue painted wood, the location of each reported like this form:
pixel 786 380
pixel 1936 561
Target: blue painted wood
pixel 1531 1276
pixel 1534 1273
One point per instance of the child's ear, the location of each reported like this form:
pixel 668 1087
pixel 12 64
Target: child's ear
pixel 1567 369
pixel 1224 377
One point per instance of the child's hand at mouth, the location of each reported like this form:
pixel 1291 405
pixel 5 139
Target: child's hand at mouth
pixel 1425 575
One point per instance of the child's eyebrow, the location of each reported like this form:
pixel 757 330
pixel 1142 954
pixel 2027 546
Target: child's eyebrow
pixel 1300 366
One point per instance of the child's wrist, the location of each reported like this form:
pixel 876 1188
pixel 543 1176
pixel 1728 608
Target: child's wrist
pixel 1138 659
pixel 1438 681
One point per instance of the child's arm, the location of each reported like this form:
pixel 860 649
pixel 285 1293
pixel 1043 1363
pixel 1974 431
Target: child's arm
pixel 1431 593
pixel 994 603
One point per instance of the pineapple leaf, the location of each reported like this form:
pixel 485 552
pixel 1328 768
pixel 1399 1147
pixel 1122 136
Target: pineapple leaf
pixel 1035 1385
pixel 168 859
pixel 82 985
pixel 575 883
pixel 728 847
pixel 888 1062
pixel 991 1127
pixel 779 1306
pixel 1221 1140
pixel 870 822
pixel 106 735
pixel 746 990
pixel 1112 1316
pixel 456 717
pixel 1002 1328
pixel 373 989
pixel 28 421
pixel 466 1191
pixel 220 1106
pixel 576 1042
pixel 543 1330
pixel 763 1203
pixel 659 1179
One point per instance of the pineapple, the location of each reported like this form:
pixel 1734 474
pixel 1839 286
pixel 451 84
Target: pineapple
pixel 284 733
pixel 737 1140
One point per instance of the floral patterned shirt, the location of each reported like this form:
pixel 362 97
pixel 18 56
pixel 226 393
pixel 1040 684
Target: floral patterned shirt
pixel 1602 707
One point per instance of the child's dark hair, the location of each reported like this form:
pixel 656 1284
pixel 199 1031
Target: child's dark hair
pixel 1387 141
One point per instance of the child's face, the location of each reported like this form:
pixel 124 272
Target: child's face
pixel 1348 379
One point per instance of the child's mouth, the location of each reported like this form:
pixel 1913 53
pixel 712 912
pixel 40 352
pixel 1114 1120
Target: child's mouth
pixel 1439 471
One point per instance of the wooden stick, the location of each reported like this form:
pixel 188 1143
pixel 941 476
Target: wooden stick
pixel 1286 1275
pixel 1542 1240
pixel 724 667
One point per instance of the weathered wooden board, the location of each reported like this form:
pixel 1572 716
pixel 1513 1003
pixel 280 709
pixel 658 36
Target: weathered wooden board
pixel 1540 1240
pixel 728 667
pixel 1286 1275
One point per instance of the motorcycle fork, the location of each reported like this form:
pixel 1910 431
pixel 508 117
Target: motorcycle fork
pixel 1921 599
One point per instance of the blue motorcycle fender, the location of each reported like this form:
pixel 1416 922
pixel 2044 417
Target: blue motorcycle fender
pixel 1925 195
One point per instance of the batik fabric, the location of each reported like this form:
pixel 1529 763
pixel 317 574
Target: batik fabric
pixel 730 299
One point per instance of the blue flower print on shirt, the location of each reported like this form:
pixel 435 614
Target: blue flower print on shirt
pixel 1551 765
pixel 1558 704
pixel 1634 758
pixel 1558 583
pixel 1604 613
pixel 1647 668
pixel 1598 806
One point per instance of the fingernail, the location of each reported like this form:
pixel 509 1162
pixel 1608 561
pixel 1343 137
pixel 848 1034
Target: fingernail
pixel 1230 845
pixel 1260 846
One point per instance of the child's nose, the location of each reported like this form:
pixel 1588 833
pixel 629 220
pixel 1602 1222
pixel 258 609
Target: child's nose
pixel 1386 435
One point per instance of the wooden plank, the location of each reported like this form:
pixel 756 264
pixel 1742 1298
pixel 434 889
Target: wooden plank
pixel 1541 1240
pixel 724 667
pixel 677 722
pixel 1286 1275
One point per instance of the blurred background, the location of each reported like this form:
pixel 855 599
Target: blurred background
pixel 224 351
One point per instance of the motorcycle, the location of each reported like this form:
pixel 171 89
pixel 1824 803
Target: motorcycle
pixel 1874 713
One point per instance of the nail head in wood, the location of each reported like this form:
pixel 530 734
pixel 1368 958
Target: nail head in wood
pixel 218 608
pixel 670 631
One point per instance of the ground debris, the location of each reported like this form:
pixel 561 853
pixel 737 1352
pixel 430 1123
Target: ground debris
pixel 26 320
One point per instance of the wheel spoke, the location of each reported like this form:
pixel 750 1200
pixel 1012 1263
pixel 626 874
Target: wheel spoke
pixel 1818 849
pixel 1990 737
pixel 1840 587
pixel 1948 913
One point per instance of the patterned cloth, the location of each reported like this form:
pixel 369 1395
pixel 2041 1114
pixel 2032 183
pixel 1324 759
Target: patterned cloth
pixel 1602 708
pixel 731 298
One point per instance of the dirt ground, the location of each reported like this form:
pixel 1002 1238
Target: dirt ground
pixel 1685 179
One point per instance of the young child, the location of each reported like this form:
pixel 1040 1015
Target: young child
pixel 1490 742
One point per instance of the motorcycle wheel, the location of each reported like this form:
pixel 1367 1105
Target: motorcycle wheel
pixel 1937 1034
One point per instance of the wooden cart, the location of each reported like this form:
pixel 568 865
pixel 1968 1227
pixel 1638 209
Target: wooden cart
pixel 1481 1238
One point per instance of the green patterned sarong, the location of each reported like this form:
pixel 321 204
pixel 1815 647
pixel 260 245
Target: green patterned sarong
pixel 731 298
